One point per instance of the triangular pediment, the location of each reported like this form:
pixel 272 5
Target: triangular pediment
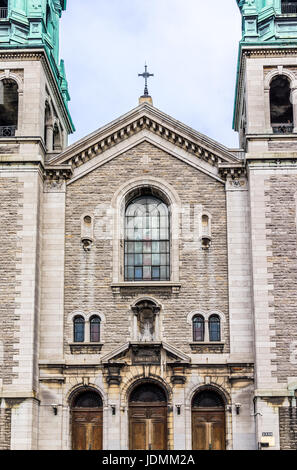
pixel 141 353
pixel 144 123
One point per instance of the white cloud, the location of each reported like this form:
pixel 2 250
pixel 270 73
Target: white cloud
pixel 190 45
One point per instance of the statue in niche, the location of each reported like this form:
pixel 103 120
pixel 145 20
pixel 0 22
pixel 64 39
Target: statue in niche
pixel 147 325
pixel 146 321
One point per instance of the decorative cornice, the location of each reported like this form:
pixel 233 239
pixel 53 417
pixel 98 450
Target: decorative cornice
pixel 260 51
pixel 145 117
pixel 235 170
pixel 58 172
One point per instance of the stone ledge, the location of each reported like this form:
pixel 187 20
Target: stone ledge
pixel 174 286
pixel 209 347
pixel 86 348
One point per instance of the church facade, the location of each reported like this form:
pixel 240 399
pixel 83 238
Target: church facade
pixel 148 273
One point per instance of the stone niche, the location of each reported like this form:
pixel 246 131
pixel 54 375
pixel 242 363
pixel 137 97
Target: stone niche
pixel 146 321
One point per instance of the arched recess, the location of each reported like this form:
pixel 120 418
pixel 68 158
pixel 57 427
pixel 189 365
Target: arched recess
pixel 208 419
pixel 148 420
pixel 86 419
pixel 146 320
pixel 9 107
pixel 280 92
pixel 120 200
pixel 281 107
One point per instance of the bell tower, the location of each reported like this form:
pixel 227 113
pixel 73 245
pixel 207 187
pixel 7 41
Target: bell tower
pixel 265 112
pixel 33 86
pixel 34 126
pixel 265 116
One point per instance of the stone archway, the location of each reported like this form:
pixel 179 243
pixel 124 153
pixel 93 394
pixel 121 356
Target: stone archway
pixel 208 420
pixel 148 428
pixel 87 421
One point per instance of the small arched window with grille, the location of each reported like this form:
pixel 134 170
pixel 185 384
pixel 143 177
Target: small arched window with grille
pixel 88 399
pixel 208 399
pixel 198 328
pixel 95 324
pixel 79 329
pixel 214 325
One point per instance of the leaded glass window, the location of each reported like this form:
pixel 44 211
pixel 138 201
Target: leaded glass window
pixel 79 330
pixel 214 328
pixel 198 328
pixel 95 329
pixel 147 240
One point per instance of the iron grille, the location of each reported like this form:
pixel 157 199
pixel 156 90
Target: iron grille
pixel 3 13
pixel 289 7
pixel 282 128
pixel 7 131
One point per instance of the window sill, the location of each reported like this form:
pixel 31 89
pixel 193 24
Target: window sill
pixel 85 348
pixel 208 347
pixel 174 286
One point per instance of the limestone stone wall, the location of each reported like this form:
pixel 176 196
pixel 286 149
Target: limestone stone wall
pixel 10 204
pixel 282 237
pixel 5 428
pixel 88 276
pixel 288 428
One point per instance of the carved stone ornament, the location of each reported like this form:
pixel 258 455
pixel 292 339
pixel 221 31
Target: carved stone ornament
pixel 54 186
pixel 146 354
pixel 113 373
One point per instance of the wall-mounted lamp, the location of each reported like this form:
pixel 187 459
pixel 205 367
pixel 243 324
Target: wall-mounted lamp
pixel 178 409
pixel 237 407
pixel 55 409
pixel 113 410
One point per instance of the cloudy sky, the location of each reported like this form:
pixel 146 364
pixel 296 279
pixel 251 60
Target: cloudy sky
pixel 190 45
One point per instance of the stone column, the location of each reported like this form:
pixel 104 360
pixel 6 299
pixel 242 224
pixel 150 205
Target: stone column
pixel 49 138
pixel 294 102
pixel 268 126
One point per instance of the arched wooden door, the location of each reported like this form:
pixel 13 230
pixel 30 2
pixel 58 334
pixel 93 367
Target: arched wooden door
pixel 87 422
pixel 208 421
pixel 148 418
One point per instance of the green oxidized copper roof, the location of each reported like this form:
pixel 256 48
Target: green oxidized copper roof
pixel 266 23
pixel 35 24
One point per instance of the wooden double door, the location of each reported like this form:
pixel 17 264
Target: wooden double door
pixel 87 429
pixel 208 429
pixel 148 426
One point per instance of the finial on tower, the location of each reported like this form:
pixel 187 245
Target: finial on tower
pixel 146 98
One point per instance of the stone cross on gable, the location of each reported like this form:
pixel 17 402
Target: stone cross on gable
pixel 146 75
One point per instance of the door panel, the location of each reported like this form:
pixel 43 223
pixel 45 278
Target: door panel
pixel 87 429
pixel 148 427
pixel 208 430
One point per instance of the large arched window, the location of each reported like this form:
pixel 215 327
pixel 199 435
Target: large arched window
pixel 147 240
pixel 8 107
pixel 214 325
pixel 281 107
pixel 198 328
pixel 79 329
